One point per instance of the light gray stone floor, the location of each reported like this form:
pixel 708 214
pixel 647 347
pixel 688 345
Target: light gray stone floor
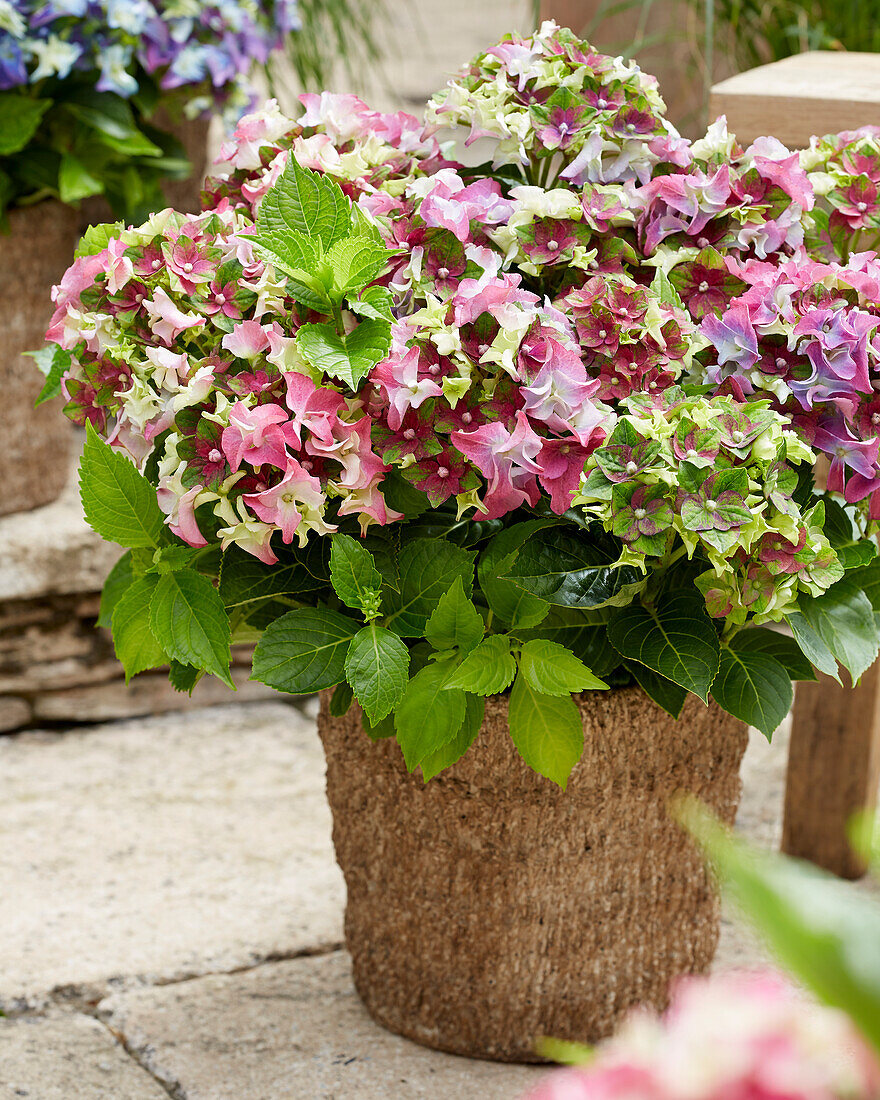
pixel 171 919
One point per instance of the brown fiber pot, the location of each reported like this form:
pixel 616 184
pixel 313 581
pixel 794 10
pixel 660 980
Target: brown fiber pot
pixel 488 907
pixel 36 444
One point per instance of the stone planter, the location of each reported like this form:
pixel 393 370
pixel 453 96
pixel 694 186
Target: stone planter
pixel 489 907
pixel 36 444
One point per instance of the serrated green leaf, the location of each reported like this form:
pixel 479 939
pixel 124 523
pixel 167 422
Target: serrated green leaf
pixel 184 677
pixel 784 649
pixel 754 687
pixel 304 202
pixel 97 237
pixel 52 361
pixel 455 749
pixel 455 621
pixel 488 669
pixel 508 600
pixel 671 697
pixel 20 118
pixel 675 637
pixel 304 651
pixel 547 731
pixel 572 571
pixel 374 302
pixel 382 730
pixel 133 639
pixel 190 622
pixel 428 568
pixel 354 575
pixel 245 579
pixel 119 503
pixel 582 633
pixel 376 666
pixel 118 580
pixel 552 670
pixel 356 262
pixel 428 717
pixel 349 358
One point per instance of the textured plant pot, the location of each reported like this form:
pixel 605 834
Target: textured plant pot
pixel 36 444
pixel 489 907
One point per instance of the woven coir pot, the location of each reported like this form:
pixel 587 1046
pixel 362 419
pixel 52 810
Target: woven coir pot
pixel 37 444
pixel 489 907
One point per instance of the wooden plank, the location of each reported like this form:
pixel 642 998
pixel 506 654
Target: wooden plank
pixel 811 93
pixel 833 770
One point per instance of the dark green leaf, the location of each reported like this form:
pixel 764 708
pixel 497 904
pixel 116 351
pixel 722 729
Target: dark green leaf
pixel 304 651
pixel 190 622
pixel 784 649
pixel 119 503
pixel 245 579
pixel 376 667
pixel 547 731
pixel 754 687
pixel 508 600
pixel 574 571
pixel 341 700
pixel 20 119
pixel 428 568
pixel 674 637
pixel 184 677
pixel 118 580
pixel 844 620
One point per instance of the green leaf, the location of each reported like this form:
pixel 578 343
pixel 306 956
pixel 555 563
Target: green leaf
pixel 376 666
pixel 843 619
pixel 428 568
pixel 189 620
pixel 382 730
pixel 582 633
pixel 349 358
pixel 118 580
pixel 820 932
pixel 307 203
pixel 671 697
pixel 455 621
pixel 356 262
pixel 96 238
pixel 488 669
pixel 852 549
pixel 812 646
pixel 304 651
pixel 183 677
pixel 675 637
pixel 455 749
pixel 355 577
pixel 374 302
pixel 784 649
pixel 53 361
pixel 341 700
pixel 119 503
pixel 75 181
pixel 244 579
pixel 428 717
pixel 20 118
pixel 573 571
pixel 547 731
pixel 507 599
pixel 133 639
pixel 552 670
pixel 754 687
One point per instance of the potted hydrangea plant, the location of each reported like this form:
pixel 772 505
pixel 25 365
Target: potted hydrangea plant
pixel 514 464
pixel 103 103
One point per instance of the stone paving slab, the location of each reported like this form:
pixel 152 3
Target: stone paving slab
pixel 68 1057
pixel 291 1031
pixel 160 848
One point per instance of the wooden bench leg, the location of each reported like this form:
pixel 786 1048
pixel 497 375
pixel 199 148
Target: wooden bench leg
pixel 833 770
